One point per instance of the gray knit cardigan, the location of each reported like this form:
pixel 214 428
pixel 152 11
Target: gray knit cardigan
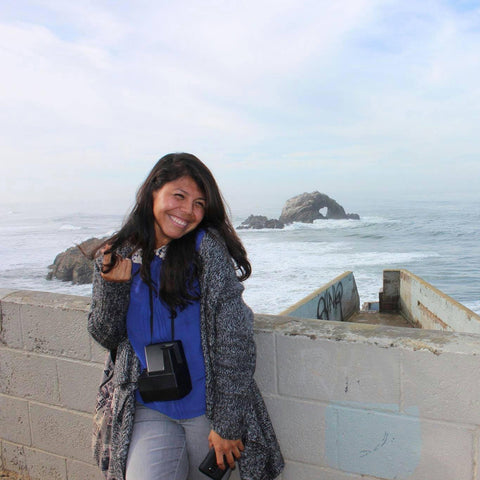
pixel 234 404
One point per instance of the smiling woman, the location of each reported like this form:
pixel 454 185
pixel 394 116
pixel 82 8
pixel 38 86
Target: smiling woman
pixel 166 293
pixel 178 208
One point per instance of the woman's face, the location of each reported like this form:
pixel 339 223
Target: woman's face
pixel 178 208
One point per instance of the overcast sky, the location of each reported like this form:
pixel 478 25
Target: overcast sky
pixel 354 98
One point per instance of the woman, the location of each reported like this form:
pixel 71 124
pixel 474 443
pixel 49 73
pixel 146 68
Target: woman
pixel 169 272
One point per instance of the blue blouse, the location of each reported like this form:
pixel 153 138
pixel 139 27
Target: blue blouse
pixel 187 329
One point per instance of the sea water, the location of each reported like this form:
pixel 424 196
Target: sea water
pixel 438 241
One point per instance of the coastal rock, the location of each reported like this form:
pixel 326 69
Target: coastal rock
pixel 306 208
pixel 260 221
pixel 72 265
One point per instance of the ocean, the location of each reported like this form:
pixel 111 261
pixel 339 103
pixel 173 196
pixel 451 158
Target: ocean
pixel 436 240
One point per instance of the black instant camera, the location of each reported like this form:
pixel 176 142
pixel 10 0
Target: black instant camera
pixel 166 376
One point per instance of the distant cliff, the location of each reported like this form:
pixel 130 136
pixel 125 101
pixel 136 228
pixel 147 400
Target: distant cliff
pixel 303 208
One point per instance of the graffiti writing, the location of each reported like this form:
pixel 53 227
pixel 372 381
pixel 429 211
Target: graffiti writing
pixel 329 305
pixel 364 453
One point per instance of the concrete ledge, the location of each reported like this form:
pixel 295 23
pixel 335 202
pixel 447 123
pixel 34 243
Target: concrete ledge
pixel 436 342
pixel 47 299
pixel 47 323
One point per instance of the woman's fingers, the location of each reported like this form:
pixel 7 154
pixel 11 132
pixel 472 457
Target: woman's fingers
pixel 228 450
pixel 230 459
pixel 220 460
pixel 107 257
pixel 237 452
pixel 121 272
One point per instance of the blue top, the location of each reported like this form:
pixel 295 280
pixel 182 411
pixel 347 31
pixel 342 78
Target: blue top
pixel 187 329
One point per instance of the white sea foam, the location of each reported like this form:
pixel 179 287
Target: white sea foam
pixel 70 227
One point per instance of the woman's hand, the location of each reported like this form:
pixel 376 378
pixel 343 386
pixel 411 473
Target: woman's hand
pixel 230 448
pixel 121 272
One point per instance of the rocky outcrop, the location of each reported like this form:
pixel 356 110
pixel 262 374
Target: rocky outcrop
pixel 306 208
pixel 72 265
pixel 259 221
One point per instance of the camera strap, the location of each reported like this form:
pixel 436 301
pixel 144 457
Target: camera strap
pixel 172 324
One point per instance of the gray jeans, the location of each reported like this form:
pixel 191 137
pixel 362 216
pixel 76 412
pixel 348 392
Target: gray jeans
pixel 162 448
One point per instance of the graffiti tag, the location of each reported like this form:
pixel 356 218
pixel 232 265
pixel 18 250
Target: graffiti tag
pixel 330 303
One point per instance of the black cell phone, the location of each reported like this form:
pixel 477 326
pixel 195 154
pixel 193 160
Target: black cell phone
pixel 210 468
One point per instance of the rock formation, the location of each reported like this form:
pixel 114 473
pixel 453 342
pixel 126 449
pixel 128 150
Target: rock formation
pixel 260 221
pixel 306 208
pixel 72 265
pixel 302 208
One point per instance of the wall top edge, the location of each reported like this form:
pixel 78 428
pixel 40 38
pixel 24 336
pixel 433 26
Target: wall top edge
pixel 383 336
pixel 434 341
pixel 46 299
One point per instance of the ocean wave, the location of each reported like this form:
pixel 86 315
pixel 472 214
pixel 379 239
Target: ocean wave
pixel 322 224
pixel 373 236
pixel 70 227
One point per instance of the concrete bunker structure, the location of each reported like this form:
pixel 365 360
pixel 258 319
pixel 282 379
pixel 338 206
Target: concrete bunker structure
pixel 405 300
pixel 349 400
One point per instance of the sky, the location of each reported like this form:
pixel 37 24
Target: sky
pixel 354 98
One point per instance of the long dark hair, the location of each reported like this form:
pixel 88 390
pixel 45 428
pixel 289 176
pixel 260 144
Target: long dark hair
pixel 181 264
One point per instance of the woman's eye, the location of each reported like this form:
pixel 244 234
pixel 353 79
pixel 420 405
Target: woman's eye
pixel 178 195
pixel 200 204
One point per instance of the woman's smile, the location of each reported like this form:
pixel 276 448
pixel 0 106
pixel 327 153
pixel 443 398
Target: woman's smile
pixel 181 223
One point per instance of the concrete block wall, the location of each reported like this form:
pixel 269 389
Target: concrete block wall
pixel 348 401
pixel 49 372
pixel 356 401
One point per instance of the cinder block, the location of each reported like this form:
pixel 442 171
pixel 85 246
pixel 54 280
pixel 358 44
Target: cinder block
pixel 302 471
pixel 78 384
pixel 82 471
pixel 13 456
pixel 300 428
pixel 10 325
pixel 328 370
pixel 265 373
pixel 98 353
pixel 446 452
pixel 14 421
pixel 62 432
pixel 55 331
pixel 443 387
pixel 42 466
pixel 28 376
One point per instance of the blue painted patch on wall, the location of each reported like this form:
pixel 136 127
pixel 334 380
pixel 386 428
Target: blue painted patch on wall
pixel 373 439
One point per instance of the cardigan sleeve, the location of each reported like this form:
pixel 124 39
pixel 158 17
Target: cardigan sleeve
pixel 108 310
pixel 231 348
